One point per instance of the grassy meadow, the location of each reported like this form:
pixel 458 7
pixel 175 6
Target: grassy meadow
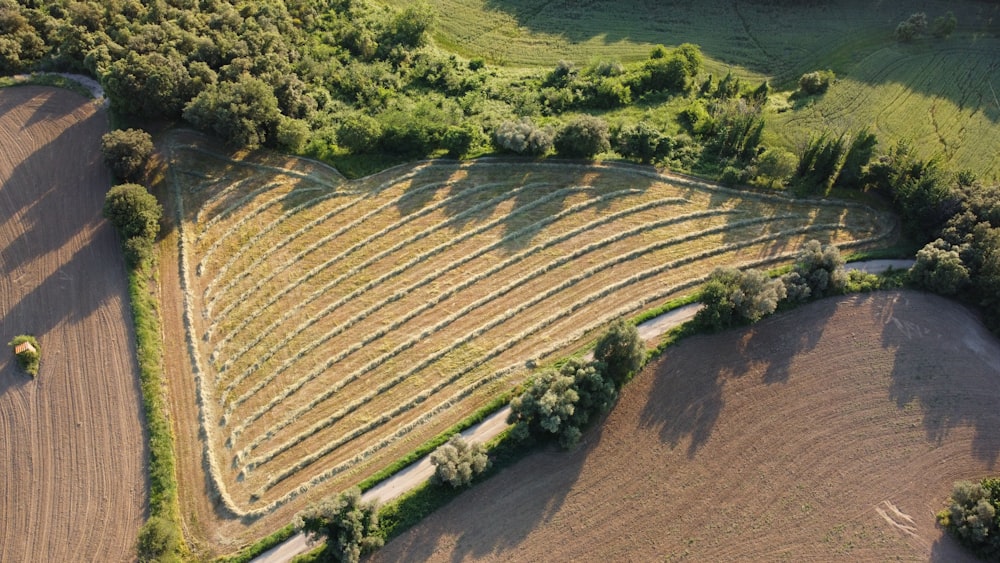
pixel 938 94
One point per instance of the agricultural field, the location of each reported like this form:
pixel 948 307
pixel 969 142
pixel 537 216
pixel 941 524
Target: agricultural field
pixel 336 325
pixel 72 450
pixel 833 432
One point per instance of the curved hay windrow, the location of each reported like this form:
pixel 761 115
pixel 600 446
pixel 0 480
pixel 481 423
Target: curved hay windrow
pixel 337 325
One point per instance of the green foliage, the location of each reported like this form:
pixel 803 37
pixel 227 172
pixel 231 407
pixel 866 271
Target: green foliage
pixel 359 133
pixel 583 137
pixel 159 541
pixel 523 137
pixel 641 141
pixel 820 162
pixel 819 271
pixel 859 154
pixel 816 82
pixel 734 297
pixel 126 151
pixel 921 190
pixel 560 403
pixel 133 211
pixel 944 26
pixel 457 462
pixel 457 140
pixel 243 113
pixel 291 134
pixel 911 28
pixel 148 84
pixel 620 352
pixel 28 360
pixel 972 516
pixel 738 129
pixel 939 268
pixel 775 165
pixel 350 528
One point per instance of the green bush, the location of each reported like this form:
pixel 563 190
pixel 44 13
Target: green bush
pixel 133 211
pixel 583 137
pixel 972 516
pixel 359 133
pixel 28 360
pixel 126 151
pixel 939 268
pixel 522 137
pixel 158 542
pixel 734 297
pixel 816 82
pixel 350 527
pixel 457 462
pixel 620 352
pixel 640 141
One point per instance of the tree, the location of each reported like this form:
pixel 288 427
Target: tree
pixel 456 462
pixel 815 82
pixel 158 541
pixel 911 28
pixel 359 133
pixel 939 268
pixel 620 352
pixel 350 527
pixel 822 269
pixel 243 113
pixel 133 211
pixel 126 151
pixel 732 296
pixel 776 165
pixel 972 516
pixel 640 141
pixel 523 137
pixel 944 26
pixel 148 85
pixel 583 137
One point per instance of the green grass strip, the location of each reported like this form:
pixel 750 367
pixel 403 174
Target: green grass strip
pixel 163 499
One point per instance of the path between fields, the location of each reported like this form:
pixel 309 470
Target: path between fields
pixel 93 86
pixel 420 471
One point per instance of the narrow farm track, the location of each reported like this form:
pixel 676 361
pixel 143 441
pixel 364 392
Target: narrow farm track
pixel 335 331
pixel 72 451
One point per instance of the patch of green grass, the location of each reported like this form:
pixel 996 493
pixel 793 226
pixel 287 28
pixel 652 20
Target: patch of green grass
pixel 28 359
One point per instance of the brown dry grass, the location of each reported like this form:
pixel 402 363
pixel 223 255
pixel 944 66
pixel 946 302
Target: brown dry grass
pixel 833 432
pixel 309 333
pixel 72 452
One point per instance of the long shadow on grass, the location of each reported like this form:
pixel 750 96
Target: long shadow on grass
pixel 495 516
pixel 947 364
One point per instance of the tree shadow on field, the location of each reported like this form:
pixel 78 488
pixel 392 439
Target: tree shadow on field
pixel 687 394
pixel 947 365
pixel 494 517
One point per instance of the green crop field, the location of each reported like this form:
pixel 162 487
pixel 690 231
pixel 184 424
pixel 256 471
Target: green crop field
pixel 940 95
pixel 337 325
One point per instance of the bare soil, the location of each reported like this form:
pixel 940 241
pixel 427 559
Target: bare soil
pixel 72 450
pixel 833 432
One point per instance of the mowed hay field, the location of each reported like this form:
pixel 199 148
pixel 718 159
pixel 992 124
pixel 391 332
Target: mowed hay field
pixel 338 325
pixel 72 451
pixel 830 433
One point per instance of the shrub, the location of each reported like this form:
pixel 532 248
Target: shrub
pixel 457 140
pixel 456 462
pixel 944 25
pixel 821 269
pixel 559 403
pixel 27 359
pixel 640 141
pixel 972 516
pixel 351 528
pixel 939 268
pixel 583 137
pixel 620 352
pixel 816 82
pixel 291 134
pixel 126 151
pixel 158 542
pixel 133 211
pixel 732 296
pixel 911 28
pixel 244 113
pixel 359 133
pixel 522 137
pixel 775 165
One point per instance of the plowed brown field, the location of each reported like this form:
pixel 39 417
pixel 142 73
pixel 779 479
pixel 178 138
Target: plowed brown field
pixel 833 432
pixel 72 452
